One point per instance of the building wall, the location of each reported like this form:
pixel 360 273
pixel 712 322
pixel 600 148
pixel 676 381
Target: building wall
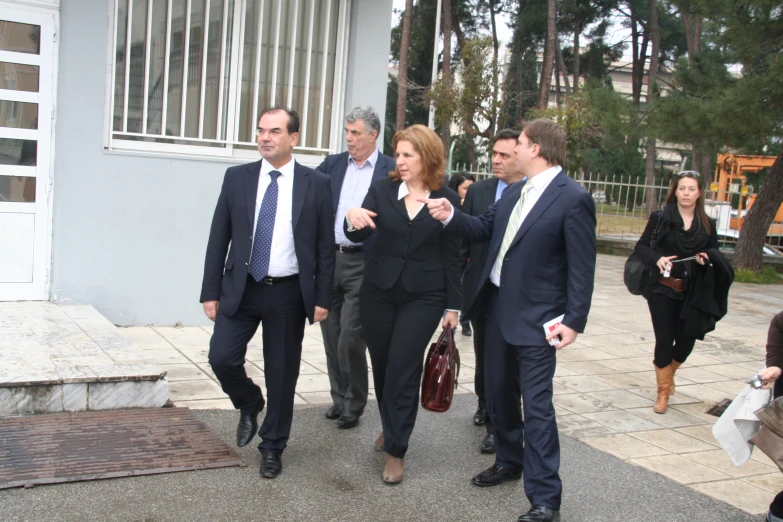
pixel 130 230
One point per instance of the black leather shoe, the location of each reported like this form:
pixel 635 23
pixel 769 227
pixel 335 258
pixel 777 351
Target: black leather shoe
pixel 488 444
pixel 334 412
pixel 480 417
pixel 540 514
pixel 248 425
pixel 494 476
pixel 347 420
pixel 466 331
pixel 271 466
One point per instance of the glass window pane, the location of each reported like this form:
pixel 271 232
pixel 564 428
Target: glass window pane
pixel 119 65
pixel 18 77
pixel 247 120
pixel 16 189
pixel 18 152
pixel 176 64
pixel 20 38
pixel 212 90
pixel 157 66
pixel 138 50
pixel 18 115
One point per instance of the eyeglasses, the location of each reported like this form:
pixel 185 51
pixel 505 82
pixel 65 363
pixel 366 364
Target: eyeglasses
pixel 688 174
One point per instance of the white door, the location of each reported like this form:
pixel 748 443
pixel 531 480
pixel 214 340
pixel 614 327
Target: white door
pixel 26 117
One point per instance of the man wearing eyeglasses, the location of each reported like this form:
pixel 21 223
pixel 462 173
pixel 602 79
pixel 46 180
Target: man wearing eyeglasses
pixel 269 261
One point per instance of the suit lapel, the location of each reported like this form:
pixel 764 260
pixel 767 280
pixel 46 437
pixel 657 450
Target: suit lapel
pixel 337 184
pixel 251 191
pixel 381 169
pixel 550 194
pixel 301 182
pixel 489 194
pixel 398 204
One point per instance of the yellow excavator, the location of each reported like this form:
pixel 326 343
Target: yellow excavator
pixel 730 178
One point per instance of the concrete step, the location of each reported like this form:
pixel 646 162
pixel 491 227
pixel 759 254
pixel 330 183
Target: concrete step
pixel 56 358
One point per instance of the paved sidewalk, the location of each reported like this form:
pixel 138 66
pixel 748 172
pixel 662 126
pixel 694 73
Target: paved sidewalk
pixel 604 384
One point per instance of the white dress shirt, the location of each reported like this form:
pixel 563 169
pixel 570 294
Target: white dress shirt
pixel 539 184
pixel 402 192
pixel 355 186
pixel 282 261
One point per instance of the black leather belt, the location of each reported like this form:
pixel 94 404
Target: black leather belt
pixel 269 280
pixel 349 249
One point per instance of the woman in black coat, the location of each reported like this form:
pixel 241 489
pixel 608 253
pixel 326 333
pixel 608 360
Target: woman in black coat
pixel 681 230
pixel 412 276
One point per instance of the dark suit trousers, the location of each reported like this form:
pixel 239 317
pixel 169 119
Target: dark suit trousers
pixel 398 326
pixel 531 446
pixel 479 342
pixel 343 338
pixel 280 311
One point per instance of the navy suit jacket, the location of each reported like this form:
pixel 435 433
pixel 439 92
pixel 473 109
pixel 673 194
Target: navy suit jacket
pixel 480 196
pixel 335 166
pixel 231 235
pixel 550 266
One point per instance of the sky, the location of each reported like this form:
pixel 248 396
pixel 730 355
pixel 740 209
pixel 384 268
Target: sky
pixel 505 34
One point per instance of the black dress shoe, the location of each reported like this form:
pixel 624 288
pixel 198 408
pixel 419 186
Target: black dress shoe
pixel 488 444
pixel 480 417
pixel 334 412
pixel 347 420
pixel 540 514
pixel 248 425
pixel 271 466
pixel 494 476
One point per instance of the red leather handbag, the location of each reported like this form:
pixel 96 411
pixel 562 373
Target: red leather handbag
pixel 441 369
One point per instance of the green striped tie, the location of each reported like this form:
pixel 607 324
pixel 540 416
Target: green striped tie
pixel 513 224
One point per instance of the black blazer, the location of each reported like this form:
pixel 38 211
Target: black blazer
pixel 551 262
pixel 313 224
pixel 335 166
pixel 419 251
pixel 480 196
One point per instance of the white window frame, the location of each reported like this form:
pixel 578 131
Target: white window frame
pixel 308 155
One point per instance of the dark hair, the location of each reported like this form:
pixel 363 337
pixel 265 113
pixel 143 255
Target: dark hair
pixel 458 178
pixel 293 117
pixel 550 138
pixel 699 209
pixel 507 134
pixel 428 145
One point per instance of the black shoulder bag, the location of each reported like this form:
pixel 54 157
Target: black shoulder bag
pixel 635 269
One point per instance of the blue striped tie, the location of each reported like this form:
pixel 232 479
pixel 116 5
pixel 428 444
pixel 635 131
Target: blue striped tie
pixel 265 227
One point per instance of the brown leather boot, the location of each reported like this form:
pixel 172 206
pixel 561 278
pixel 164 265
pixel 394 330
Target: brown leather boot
pixel 379 443
pixel 663 376
pixel 675 365
pixel 394 470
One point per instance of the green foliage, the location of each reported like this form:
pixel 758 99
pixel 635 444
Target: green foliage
pixel 768 276
pixel 470 102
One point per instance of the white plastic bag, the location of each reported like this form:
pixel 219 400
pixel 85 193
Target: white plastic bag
pixel 738 423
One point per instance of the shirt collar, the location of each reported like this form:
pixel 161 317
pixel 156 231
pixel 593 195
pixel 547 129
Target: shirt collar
pixel 369 162
pixel 543 179
pixel 286 170
pixel 403 191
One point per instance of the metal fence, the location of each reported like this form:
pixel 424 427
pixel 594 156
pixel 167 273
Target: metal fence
pixel 622 208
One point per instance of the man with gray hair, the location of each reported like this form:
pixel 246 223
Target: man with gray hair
pixel 351 173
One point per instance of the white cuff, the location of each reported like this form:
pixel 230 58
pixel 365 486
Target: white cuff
pixel 448 219
pixel 350 226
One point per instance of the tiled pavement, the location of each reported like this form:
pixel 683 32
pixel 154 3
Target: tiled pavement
pixel 604 384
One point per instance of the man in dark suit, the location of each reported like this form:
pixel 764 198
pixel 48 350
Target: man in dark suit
pixel 270 260
pixel 541 265
pixel 351 173
pixel 480 197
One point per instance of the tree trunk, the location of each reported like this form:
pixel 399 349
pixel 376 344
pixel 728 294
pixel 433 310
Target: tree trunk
pixel 402 75
pixel 561 66
pixel 445 126
pixel 655 38
pixel 706 169
pixel 759 217
pixel 577 31
pixel 495 78
pixel 549 56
